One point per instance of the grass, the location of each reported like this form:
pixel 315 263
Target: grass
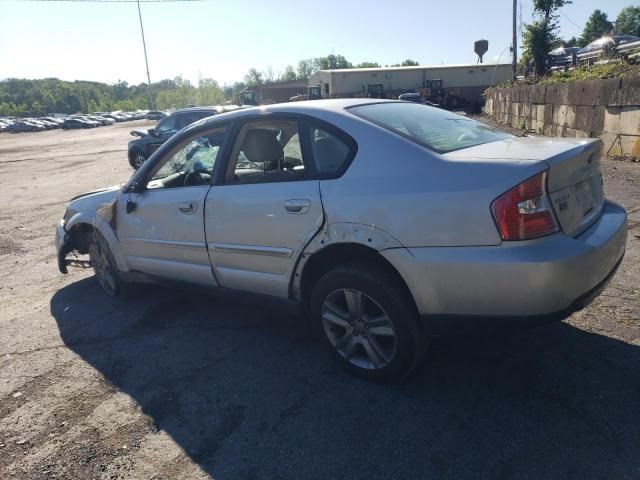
pixel 592 73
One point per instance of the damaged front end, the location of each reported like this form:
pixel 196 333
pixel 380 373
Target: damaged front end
pixel 75 230
pixel 74 242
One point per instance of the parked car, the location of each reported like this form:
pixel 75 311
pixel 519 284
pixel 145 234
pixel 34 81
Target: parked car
pixel 155 115
pixel 58 121
pixel 25 126
pixel 101 120
pixel 387 221
pixel 71 123
pixel 148 142
pixel 606 42
pixel 44 125
pixel 47 123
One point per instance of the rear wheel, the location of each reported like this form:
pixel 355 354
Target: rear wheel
pixel 368 321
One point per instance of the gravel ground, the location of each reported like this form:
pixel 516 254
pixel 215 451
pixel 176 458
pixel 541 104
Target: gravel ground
pixel 175 385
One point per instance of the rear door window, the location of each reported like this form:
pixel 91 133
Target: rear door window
pixel 431 127
pixel 330 153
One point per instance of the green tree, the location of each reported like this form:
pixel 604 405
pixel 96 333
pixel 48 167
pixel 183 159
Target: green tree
pixel 288 74
pixel 538 37
pixel 547 7
pixel 409 63
pixel 253 77
pixel 597 25
pixel 368 65
pixel 333 62
pixel 307 67
pixel 628 21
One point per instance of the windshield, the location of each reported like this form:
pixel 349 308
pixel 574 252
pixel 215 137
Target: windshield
pixel 431 127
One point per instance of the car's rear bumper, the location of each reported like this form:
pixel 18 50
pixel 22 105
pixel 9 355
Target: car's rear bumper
pixel 537 280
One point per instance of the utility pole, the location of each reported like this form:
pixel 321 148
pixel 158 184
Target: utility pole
pixel 514 41
pixel 146 62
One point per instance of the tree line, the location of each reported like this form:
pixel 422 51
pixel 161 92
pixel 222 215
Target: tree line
pixel 542 34
pixel 31 98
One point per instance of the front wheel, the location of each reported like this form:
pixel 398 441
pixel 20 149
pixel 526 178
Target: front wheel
pixel 369 322
pixel 104 266
pixel 137 159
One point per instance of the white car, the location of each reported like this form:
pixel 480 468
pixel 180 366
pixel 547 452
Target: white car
pixel 386 221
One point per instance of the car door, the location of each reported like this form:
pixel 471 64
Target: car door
pixel 264 210
pixel 161 225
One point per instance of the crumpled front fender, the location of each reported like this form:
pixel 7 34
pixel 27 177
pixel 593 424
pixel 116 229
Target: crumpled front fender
pixel 102 220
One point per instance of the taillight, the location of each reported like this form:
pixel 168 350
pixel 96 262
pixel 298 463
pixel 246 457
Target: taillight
pixel 524 212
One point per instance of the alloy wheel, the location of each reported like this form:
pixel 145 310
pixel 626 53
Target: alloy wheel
pixel 359 329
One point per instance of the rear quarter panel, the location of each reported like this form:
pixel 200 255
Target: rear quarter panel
pixel 416 195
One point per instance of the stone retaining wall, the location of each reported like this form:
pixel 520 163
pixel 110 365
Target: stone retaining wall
pixel 607 108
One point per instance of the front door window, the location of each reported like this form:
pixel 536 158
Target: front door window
pixel 191 163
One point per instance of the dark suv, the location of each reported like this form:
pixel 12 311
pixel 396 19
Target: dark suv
pixel 141 148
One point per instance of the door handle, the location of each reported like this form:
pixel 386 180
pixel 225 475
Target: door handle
pixel 300 205
pixel 188 207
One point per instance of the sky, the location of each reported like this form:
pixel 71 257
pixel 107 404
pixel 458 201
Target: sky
pixel 222 39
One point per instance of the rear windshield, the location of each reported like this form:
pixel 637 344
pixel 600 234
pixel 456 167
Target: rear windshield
pixel 431 127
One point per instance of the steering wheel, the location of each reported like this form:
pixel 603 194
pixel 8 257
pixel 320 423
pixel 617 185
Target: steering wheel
pixel 197 177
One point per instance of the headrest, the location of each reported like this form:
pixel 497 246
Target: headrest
pixel 261 145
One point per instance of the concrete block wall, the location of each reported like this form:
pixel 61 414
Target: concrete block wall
pixel 607 108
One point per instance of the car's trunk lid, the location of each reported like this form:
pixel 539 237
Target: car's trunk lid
pixel 574 181
pixel 575 187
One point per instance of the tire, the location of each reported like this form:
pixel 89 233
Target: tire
pixel 137 159
pixel 104 266
pixel 369 322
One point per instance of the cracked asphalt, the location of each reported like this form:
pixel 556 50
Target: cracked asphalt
pixel 179 385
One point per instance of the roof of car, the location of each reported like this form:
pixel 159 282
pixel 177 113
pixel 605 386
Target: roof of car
pixel 307 107
pixel 212 108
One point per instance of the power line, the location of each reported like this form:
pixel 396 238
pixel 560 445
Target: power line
pixel 113 1
pixel 570 21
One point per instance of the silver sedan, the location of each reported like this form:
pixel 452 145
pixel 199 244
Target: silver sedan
pixel 387 222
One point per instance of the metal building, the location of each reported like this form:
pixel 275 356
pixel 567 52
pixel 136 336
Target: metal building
pixel 468 81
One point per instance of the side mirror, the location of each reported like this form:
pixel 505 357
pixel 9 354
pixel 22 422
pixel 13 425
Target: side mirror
pixel 134 187
pixel 152 132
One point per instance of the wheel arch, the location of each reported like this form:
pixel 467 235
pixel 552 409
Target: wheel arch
pixel 81 225
pixel 322 261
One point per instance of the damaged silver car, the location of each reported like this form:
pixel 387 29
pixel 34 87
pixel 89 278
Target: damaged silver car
pixel 386 221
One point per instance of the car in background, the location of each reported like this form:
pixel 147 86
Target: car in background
pixel 155 115
pixel 72 123
pixel 385 221
pixel 606 43
pixel 148 142
pixel 25 126
pixel 47 123
pixel 58 121
pixel 115 117
pixel 101 120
